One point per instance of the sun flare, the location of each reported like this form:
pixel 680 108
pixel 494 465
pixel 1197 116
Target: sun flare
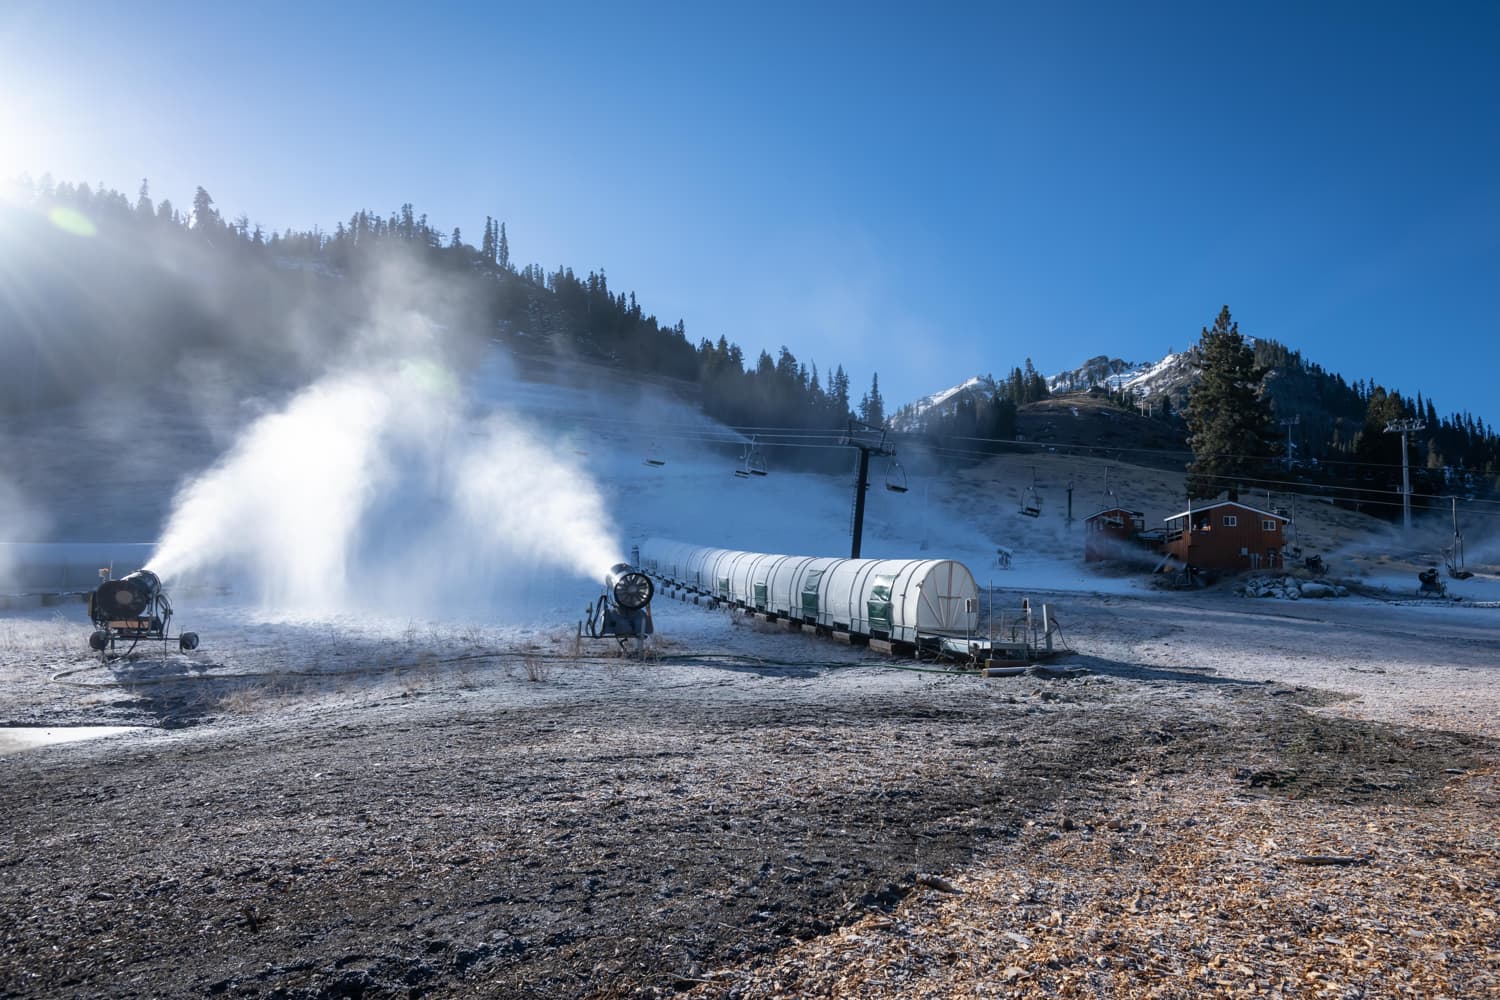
pixel 14 142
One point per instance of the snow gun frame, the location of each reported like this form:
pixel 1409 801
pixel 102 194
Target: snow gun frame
pixel 623 611
pixel 130 609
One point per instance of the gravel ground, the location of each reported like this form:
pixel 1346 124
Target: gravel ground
pixel 340 809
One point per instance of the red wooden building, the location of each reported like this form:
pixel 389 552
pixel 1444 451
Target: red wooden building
pixel 1226 535
pixel 1111 533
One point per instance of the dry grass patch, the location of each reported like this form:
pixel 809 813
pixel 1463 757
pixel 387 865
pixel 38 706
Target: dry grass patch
pixel 1191 890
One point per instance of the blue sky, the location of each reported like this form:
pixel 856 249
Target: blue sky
pixel 926 194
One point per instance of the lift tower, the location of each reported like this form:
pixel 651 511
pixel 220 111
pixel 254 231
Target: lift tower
pixel 870 441
pixel 1405 427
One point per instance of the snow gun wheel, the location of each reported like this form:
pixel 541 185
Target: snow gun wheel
pixel 99 640
pixel 187 642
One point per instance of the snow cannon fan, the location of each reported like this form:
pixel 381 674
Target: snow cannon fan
pixel 623 611
pixel 631 589
pixel 132 608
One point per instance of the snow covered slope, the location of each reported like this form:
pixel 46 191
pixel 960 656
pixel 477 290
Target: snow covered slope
pixel 505 505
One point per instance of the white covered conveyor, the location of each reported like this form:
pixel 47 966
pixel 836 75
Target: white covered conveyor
pixel 898 599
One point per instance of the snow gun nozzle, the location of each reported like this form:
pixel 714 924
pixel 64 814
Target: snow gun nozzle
pixel 628 587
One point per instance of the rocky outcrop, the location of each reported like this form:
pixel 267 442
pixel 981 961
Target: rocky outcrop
pixel 1289 588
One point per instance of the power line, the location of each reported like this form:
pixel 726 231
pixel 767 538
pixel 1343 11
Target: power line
pixel 825 438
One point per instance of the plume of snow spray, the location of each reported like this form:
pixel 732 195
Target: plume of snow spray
pixel 370 490
pixel 519 497
pixel 284 506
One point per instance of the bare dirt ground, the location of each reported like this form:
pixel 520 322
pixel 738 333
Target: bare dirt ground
pixel 1235 798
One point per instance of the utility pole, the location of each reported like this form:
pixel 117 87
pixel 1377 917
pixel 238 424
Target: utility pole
pixel 870 441
pixel 1289 423
pixel 1405 427
pixel 1456 550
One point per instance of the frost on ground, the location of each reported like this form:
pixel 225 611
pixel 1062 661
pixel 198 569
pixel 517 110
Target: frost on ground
pixel 342 807
pixel 371 802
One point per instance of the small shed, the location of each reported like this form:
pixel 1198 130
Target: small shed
pixel 1226 535
pixel 1110 533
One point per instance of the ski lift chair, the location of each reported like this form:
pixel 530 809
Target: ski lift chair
pixel 752 462
pixel 757 463
pixel 1031 500
pixel 895 477
pixel 1031 503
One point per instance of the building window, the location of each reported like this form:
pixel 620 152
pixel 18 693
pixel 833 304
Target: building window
pixel 1230 520
pixel 1268 525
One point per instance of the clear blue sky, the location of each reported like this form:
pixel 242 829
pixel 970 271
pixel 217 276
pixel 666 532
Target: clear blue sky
pixel 927 193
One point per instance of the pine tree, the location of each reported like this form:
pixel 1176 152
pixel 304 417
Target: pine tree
pixel 487 248
pixel 502 250
pixel 871 406
pixel 205 217
pixel 838 393
pixel 1228 417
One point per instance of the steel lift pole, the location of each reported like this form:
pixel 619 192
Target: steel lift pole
pixel 1405 427
pixel 869 440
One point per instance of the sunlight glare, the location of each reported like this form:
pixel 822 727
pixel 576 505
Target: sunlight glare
pixel 72 221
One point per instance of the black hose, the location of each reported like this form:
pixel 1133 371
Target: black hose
pixel 112 657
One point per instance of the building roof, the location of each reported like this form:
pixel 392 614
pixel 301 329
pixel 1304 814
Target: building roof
pixel 1227 503
pixel 1115 510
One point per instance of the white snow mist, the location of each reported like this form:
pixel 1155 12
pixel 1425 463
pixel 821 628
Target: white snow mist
pixel 284 506
pixel 20 521
pixel 519 498
pixel 374 491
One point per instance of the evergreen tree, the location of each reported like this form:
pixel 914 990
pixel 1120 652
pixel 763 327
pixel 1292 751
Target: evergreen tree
pixel 502 250
pixel 1228 418
pixel 838 393
pixel 871 406
pixel 487 247
pixel 205 216
pixel 1373 446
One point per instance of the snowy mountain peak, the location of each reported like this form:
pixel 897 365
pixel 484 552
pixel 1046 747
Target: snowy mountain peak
pixel 908 417
pixel 1145 379
pixel 1102 371
pixel 980 382
pixel 1171 375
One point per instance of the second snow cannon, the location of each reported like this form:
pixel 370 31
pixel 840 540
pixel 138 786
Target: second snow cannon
pixel 623 611
pixel 631 589
pixel 133 607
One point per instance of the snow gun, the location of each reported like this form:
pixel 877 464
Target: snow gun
pixel 623 611
pixel 132 608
